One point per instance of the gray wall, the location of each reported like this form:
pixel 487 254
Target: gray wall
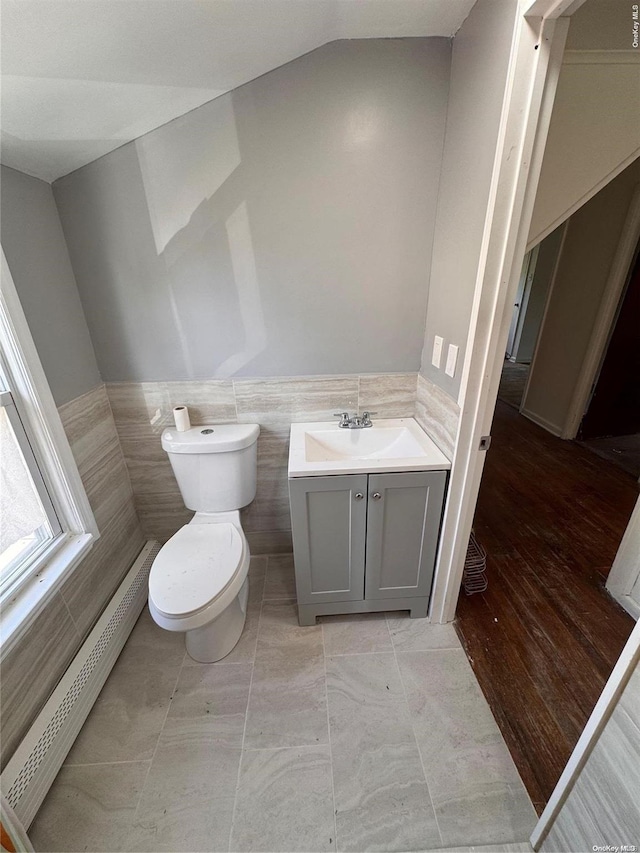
pixel 283 229
pixel 480 59
pixel 589 248
pixel 34 246
pixel 547 258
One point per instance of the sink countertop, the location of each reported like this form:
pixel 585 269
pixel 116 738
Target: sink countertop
pixel 392 444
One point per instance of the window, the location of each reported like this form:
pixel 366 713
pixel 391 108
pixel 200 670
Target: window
pixel 46 523
pixel 28 521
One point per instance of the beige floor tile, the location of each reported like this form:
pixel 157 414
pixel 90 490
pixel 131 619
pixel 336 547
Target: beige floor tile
pixel 287 705
pixel 387 732
pixel 410 635
pixel 382 799
pixel 493 814
pixel 213 700
pixel 281 582
pixel 187 800
pixel 475 787
pixel 126 720
pixel 149 643
pixel 284 801
pixel 89 808
pixel 356 634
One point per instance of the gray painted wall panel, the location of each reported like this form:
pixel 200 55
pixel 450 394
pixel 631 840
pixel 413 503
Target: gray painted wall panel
pixel 282 229
pixel 583 270
pixel 545 266
pixel 37 255
pixel 480 58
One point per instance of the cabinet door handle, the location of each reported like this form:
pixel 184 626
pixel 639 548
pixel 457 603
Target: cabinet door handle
pixel 358 496
pixel 376 496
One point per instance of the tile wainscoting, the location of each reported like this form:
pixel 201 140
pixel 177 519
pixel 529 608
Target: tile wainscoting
pixel 143 409
pixel 32 668
pixel 438 414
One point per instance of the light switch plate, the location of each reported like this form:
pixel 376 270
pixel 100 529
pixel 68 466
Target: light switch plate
pixel 437 351
pixel 452 358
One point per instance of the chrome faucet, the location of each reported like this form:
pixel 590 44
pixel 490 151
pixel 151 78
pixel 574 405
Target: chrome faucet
pixel 354 421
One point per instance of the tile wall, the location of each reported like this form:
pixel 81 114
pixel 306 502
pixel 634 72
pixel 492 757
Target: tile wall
pixel 602 810
pixel 114 432
pixel 438 414
pixel 32 668
pixel 143 409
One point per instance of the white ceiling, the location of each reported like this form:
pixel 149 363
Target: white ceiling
pixel 82 77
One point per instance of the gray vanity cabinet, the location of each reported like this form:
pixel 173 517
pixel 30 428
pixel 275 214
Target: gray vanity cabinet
pixel 329 518
pixel 365 542
pixel 402 533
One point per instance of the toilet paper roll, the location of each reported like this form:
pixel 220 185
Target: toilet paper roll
pixel 181 417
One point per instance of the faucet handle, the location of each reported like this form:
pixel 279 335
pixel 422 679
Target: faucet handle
pixel 344 418
pixel 366 418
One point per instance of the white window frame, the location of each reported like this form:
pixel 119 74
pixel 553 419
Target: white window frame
pixel 28 556
pixel 24 599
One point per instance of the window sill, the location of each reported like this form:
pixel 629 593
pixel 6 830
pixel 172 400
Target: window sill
pixel 21 609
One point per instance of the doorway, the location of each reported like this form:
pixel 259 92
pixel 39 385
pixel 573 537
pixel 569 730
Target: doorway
pixel 544 637
pixel 611 424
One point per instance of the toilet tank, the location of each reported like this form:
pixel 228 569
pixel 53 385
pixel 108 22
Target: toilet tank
pixel 215 465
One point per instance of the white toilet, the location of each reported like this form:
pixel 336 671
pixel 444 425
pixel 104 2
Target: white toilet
pixel 199 581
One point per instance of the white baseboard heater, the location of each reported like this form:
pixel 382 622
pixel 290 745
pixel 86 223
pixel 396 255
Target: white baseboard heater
pixel 36 762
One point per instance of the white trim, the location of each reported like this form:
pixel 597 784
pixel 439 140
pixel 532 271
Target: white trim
pixel 20 611
pixel 531 86
pixel 626 566
pixel 595 189
pixel 547 302
pixel 22 602
pixel 554 429
pixel 601 57
pixel 37 404
pixel 607 311
pixel 607 702
pixel 551 9
pixel 630 605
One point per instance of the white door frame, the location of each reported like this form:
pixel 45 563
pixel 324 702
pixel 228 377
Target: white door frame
pixel 531 86
pixel 625 571
pixel 534 68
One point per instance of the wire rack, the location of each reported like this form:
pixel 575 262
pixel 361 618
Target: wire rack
pixel 474 578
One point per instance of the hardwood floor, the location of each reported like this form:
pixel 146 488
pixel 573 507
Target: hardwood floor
pixel 545 636
pixel 512 382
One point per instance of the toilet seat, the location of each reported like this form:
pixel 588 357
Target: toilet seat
pixel 196 573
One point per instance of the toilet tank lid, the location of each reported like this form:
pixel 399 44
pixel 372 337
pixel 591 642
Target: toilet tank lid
pixel 210 438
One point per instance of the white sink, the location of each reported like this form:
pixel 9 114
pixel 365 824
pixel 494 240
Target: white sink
pixel 397 444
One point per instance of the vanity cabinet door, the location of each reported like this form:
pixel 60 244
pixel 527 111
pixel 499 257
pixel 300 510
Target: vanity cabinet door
pixel 328 516
pixel 404 513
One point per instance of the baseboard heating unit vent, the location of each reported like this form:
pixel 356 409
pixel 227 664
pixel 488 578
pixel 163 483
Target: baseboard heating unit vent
pixel 34 765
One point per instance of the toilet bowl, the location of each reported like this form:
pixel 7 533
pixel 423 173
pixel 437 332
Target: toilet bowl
pixel 199 584
pixel 199 581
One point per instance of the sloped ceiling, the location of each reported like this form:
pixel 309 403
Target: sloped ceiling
pixel 82 77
